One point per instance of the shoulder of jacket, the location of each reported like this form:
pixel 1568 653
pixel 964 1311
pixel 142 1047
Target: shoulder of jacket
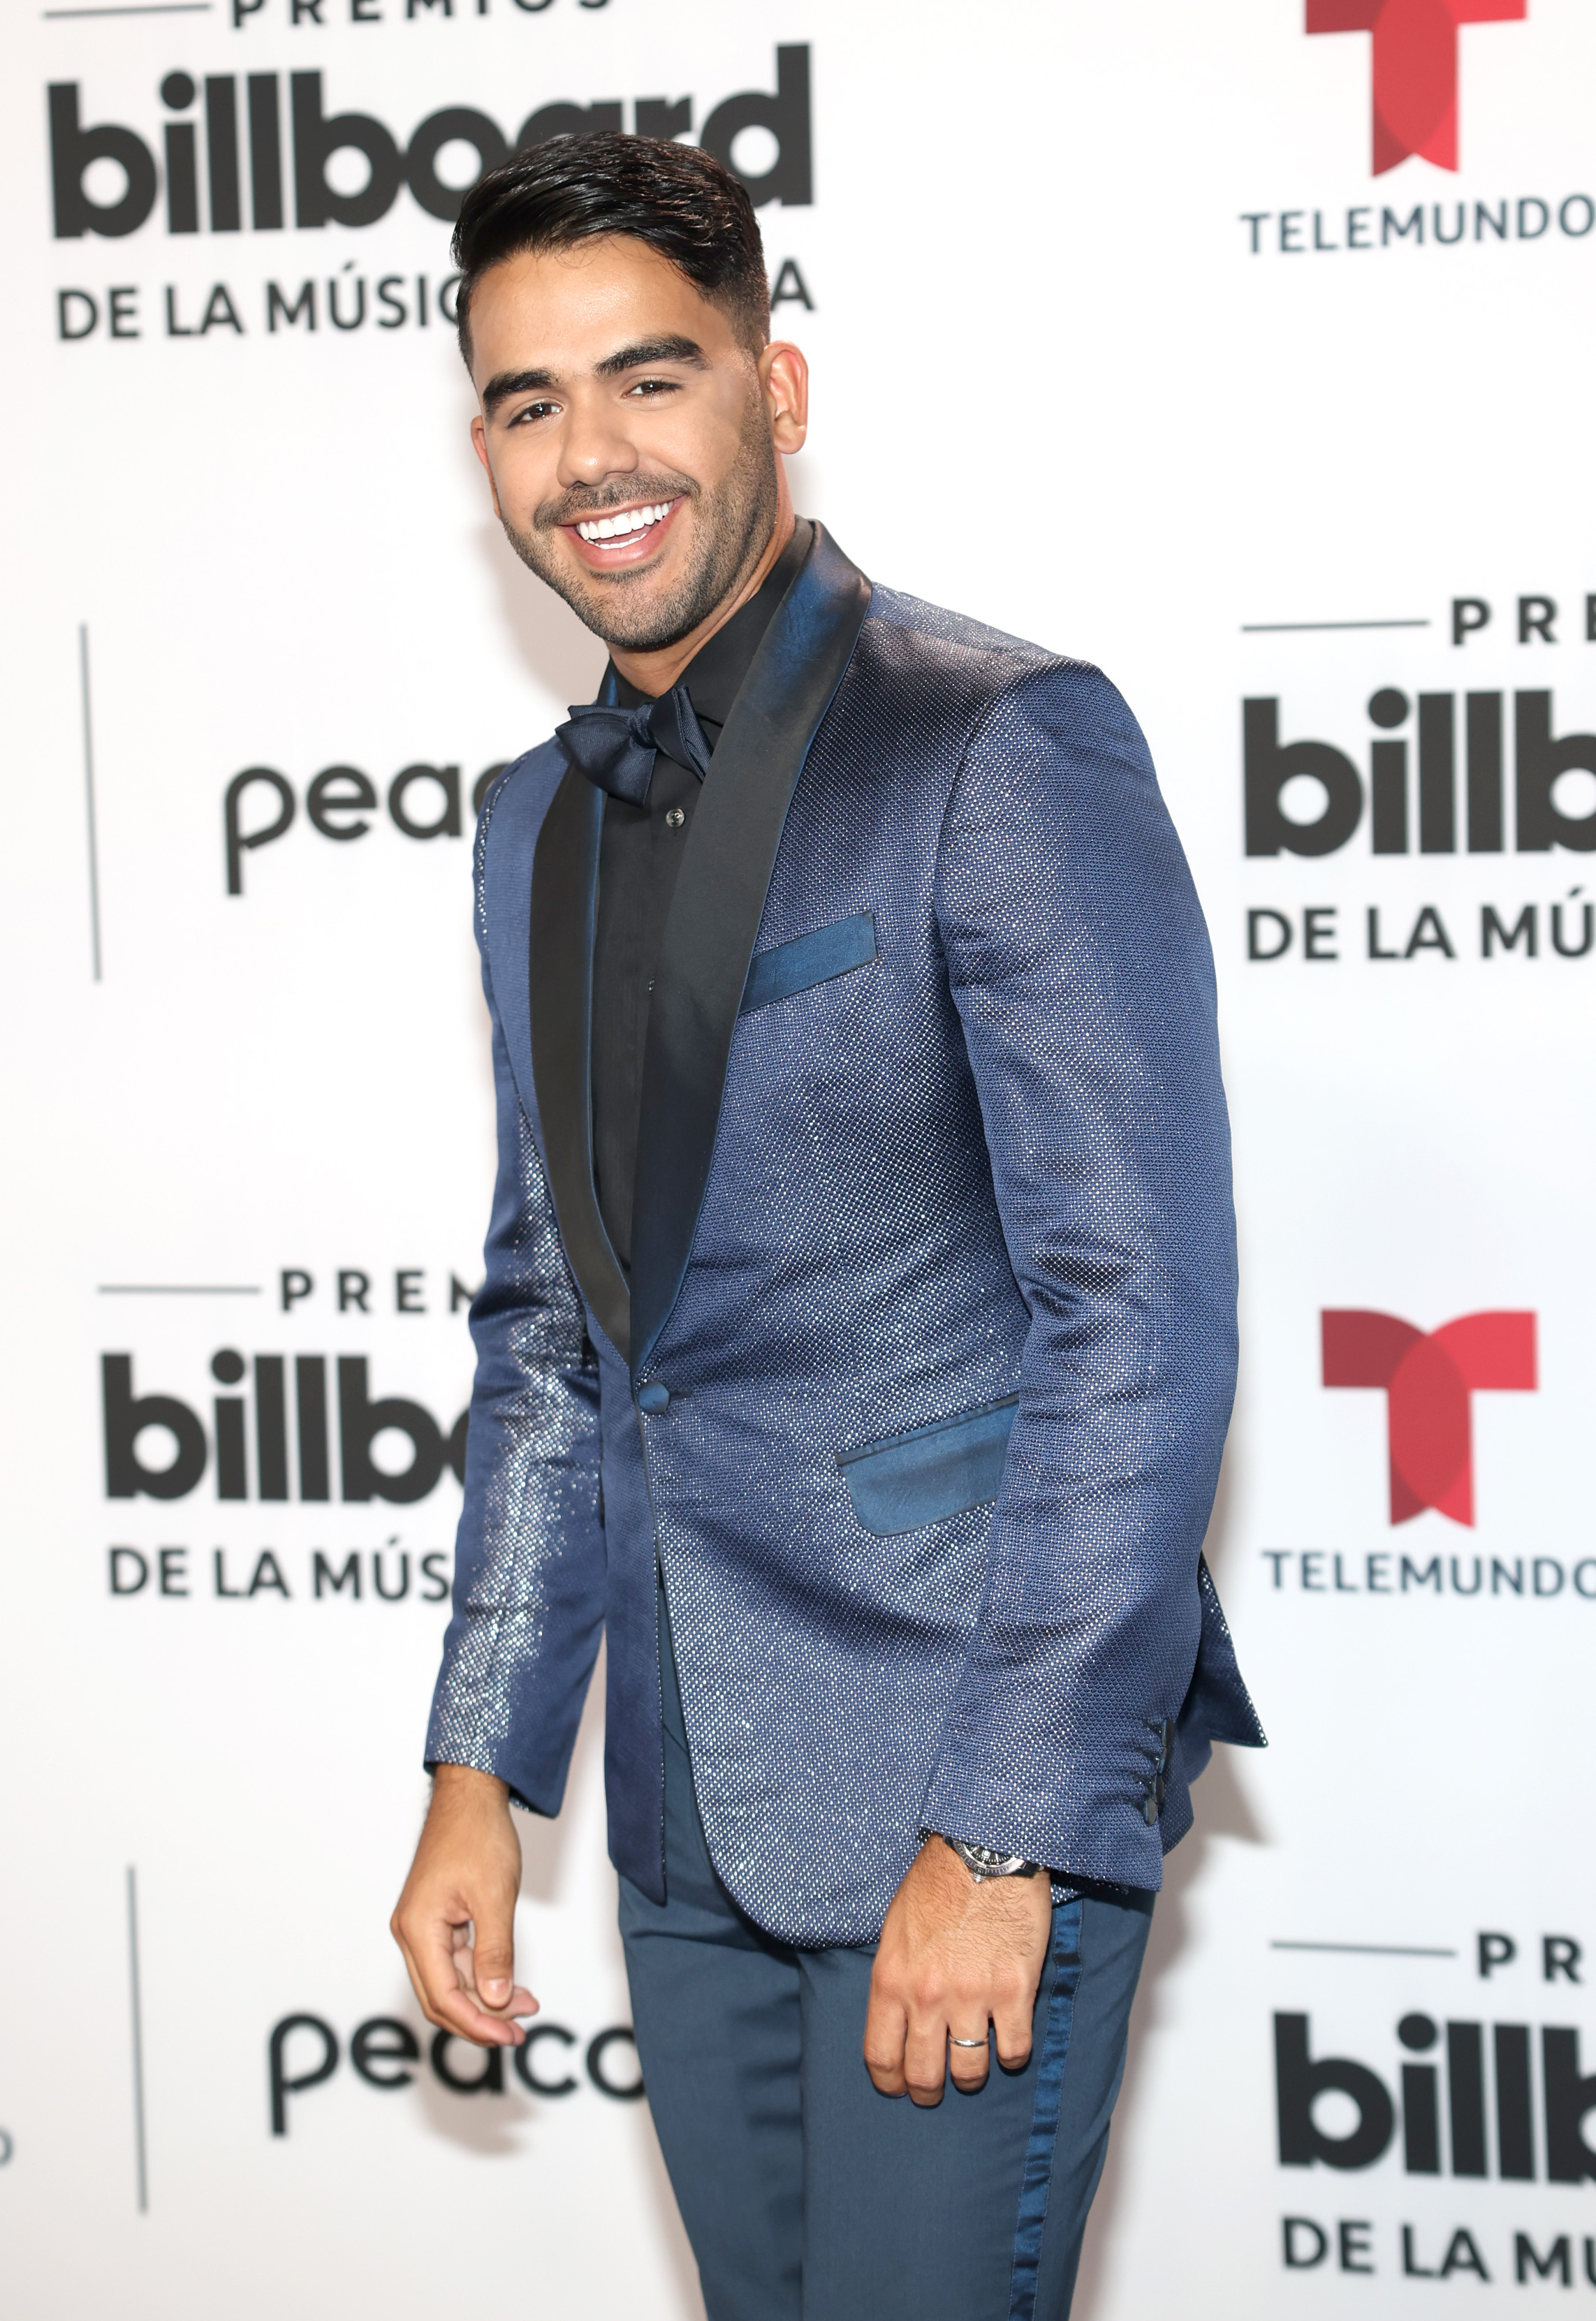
pixel 980 665
pixel 955 634
pixel 981 659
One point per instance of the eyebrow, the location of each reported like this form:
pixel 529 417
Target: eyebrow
pixel 653 350
pixel 505 383
pixel 637 357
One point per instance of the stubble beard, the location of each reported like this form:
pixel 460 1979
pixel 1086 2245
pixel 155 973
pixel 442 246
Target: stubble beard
pixel 733 524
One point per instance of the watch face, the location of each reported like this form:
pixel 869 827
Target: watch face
pixel 986 1862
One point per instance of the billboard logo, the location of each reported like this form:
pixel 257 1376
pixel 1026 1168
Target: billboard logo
pixel 1427 1379
pixel 1309 797
pixel 291 148
pixel 131 1418
pixel 1414 68
pixel 1429 2095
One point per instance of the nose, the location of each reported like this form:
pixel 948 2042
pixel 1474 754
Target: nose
pixel 594 444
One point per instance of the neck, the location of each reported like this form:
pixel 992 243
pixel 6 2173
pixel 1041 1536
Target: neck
pixel 655 673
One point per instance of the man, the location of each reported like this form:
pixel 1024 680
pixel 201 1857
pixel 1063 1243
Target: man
pixel 856 1347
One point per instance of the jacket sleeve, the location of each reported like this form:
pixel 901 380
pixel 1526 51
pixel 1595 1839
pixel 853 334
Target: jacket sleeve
pixel 529 1557
pixel 1079 965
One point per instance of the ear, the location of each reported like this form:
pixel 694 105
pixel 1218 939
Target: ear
pixel 479 445
pixel 784 375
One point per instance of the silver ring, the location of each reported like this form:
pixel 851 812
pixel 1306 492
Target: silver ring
pixel 966 2043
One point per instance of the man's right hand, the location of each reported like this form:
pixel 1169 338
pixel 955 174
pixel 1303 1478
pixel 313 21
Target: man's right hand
pixel 463 1883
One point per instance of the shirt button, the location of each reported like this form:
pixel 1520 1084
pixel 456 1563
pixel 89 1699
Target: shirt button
pixel 654 1396
pixel 674 818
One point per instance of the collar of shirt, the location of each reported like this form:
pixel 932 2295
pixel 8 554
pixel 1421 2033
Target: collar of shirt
pixel 714 677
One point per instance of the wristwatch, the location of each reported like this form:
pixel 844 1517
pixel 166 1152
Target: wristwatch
pixel 983 1862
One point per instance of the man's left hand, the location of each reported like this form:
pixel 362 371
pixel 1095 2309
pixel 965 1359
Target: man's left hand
pixel 956 1954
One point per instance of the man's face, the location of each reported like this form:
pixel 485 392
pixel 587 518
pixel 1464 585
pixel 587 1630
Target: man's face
pixel 629 437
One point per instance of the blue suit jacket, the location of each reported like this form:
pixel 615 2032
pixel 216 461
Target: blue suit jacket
pixel 918 1393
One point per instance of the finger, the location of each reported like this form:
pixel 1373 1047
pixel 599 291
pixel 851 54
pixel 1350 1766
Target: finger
pixel 1011 2021
pixel 520 2000
pixel 968 2066
pixel 493 1954
pixel 432 1954
pixel 884 2026
pixel 410 1966
pixel 456 2011
pixel 924 2057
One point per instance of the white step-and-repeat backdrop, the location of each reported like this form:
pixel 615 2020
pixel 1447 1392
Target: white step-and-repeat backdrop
pixel 1244 348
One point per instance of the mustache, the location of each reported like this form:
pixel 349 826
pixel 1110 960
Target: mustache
pixel 579 506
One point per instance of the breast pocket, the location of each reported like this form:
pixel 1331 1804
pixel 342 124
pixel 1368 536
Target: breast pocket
pixel 932 1472
pixel 808 959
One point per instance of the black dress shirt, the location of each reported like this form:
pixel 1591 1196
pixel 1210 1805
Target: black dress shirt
pixel 639 854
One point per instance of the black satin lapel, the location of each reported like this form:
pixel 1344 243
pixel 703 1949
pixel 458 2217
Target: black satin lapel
pixel 714 916
pixel 560 972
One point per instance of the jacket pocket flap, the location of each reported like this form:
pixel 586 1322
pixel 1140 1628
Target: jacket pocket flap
pixel 808 959
pixel 931 1472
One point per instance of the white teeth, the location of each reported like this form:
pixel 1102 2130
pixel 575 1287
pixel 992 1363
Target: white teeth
pixel 621 527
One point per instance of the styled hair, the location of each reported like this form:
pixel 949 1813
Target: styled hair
pixel 677 198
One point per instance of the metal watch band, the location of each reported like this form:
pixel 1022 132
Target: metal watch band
pixel 984 1862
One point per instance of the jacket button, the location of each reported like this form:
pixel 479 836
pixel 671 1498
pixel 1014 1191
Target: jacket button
pixel 654 1396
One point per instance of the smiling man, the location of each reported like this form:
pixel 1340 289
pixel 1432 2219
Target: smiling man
pixel 857 1342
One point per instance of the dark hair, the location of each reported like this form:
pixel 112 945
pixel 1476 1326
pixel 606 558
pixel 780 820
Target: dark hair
pixel 679 200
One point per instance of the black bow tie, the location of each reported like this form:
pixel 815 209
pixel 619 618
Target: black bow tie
pixel 616 748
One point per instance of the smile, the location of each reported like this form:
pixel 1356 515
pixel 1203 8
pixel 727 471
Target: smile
pixel 629 521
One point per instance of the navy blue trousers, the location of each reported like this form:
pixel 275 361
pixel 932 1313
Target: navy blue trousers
pixel 805 2195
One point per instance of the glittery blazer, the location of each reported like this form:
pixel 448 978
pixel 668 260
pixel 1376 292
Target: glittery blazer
pixel 916 1395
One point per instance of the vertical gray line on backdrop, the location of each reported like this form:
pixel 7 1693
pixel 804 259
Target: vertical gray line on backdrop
pixel 88 784
pixel 132 1979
